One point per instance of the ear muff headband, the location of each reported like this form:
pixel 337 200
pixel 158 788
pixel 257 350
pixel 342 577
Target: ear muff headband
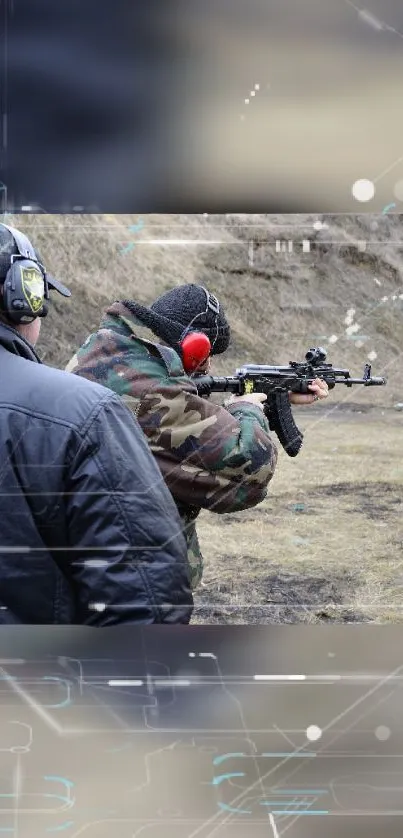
pixel 213 305
pixel 195 346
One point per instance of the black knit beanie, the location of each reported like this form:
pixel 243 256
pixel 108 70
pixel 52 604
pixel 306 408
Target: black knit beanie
pixel 172 313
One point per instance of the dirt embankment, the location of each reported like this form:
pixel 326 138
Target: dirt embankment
pixel 346 293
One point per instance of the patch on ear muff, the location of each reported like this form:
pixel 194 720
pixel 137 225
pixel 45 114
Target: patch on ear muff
pixel 33 287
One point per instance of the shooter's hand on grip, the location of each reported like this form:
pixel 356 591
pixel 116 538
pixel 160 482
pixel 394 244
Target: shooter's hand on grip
pixel 252 398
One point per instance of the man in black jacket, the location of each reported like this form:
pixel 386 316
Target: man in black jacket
pixel 89 534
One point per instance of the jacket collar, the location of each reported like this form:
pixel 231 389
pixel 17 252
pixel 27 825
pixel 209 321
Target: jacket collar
pixel 13 342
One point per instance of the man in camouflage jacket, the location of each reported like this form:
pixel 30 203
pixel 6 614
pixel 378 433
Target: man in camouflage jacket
pixel 211 457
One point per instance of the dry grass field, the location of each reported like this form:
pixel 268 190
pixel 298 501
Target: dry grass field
pixel 326 545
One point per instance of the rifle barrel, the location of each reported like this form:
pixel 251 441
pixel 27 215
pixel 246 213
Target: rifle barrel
pixel 368 382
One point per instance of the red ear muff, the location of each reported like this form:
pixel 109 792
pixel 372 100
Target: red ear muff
pixel 195 348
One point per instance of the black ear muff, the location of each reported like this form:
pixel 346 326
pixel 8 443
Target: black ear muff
pixel 24 292
pixel 25 286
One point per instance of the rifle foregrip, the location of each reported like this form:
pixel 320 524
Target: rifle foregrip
pixel 279 414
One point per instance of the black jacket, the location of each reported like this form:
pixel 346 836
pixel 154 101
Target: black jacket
pixel 89 534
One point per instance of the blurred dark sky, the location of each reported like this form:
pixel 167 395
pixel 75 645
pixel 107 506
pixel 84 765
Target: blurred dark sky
pixel 128 106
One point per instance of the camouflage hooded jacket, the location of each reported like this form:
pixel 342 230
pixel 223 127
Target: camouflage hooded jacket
pixel 211 457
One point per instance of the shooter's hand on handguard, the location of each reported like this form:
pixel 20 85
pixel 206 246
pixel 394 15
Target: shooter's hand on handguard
pixel 319 388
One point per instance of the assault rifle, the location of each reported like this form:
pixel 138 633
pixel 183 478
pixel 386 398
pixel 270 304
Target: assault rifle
pixel 277 382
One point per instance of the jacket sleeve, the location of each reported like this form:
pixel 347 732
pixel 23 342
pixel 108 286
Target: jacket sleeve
pixel 215 458
pixel 128 560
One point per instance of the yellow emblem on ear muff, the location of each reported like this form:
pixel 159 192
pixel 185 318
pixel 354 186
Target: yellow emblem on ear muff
pixel 249 386
pixel 33 288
